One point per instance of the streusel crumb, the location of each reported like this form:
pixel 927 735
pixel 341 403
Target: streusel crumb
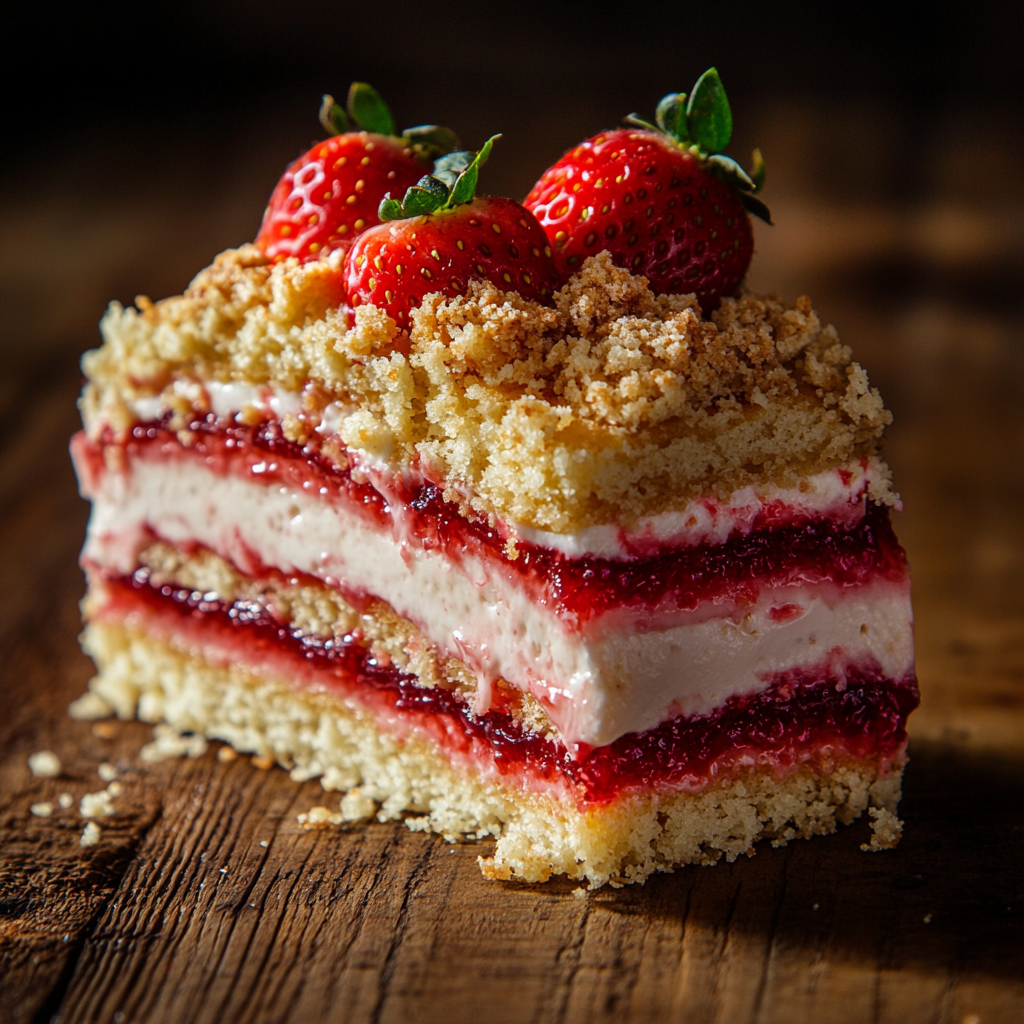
pixel 613 405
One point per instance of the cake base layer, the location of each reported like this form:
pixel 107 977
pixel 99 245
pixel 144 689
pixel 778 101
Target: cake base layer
pixel 539 834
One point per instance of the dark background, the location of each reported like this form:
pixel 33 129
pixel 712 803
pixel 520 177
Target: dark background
pixel 141 142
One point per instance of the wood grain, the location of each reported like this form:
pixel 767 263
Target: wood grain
pixel 205 901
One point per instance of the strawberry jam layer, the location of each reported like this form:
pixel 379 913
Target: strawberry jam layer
pixel 782 547
pixel 803 716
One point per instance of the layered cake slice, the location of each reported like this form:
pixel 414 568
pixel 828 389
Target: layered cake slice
pixel 573 565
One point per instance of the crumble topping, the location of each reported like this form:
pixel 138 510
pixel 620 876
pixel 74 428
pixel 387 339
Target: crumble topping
pixel 614 405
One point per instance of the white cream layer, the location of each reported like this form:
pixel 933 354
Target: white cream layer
pixel 624 674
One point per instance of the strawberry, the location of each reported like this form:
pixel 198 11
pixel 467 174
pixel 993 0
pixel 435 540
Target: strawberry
pixel 331 193
pixel 662 200
pixel 439 237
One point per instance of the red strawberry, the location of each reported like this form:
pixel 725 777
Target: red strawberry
pixel 331 194
pixel 661 200
pixel 439 238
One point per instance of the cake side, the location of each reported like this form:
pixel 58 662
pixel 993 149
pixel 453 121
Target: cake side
pixel 607 641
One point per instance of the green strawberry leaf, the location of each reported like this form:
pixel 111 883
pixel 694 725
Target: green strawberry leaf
pixel 465 185
pixel 431 140
pixel 368 111
pixel 708 115
pixel 755 206
pixel 671 117
pixel 432 184
pixel 420 200
pixel 640 122
pixel 449 167
pixel 389 209
pixel 332 117
pixel 757 170
pixel 726 169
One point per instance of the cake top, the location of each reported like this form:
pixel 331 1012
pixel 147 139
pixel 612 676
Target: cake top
pixel 612 405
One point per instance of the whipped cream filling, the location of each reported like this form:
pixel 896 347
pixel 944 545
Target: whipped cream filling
pixel 837 492
pixel 623 674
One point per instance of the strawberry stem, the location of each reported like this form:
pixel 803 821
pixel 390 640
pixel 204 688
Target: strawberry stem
pixel 332 117
pixel 453 183
pixel 702 124
pixel 368 112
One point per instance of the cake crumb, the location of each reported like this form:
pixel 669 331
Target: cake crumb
pixel 90 707
pixel 44 764
pixel 227 754
pixel 356 805
pixel 169 743
pixel 115 789
pixel 90 834
pixel 107 772
pixel 96 805
pixel 104 730
pixel 66 800
pixel 42 810
pixel 886 830
pixel 263 761
pixel 319 817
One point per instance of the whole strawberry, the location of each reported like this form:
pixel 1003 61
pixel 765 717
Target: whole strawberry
pixel 662 200
pixel 439 237
pixel 331 194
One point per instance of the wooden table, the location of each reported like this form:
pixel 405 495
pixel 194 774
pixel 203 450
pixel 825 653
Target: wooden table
pixel 205 901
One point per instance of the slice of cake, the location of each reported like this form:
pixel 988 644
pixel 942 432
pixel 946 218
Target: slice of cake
pixel 576 567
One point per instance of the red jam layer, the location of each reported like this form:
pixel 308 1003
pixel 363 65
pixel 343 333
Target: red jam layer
pixel 782 548
pixel 802 716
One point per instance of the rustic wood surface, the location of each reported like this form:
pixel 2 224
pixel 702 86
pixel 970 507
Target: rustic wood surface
pixel 205 901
